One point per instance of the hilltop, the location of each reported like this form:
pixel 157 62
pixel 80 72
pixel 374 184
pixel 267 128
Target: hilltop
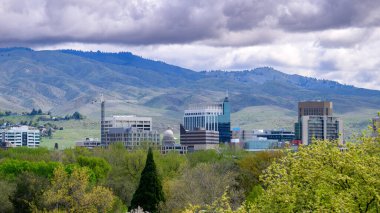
pixel 64 81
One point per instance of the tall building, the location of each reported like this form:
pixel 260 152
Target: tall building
pixel 132 137
pixel 199 139
pixel 128 129
pixel 20 136
pixel 321 127
pixel 316 121
pixel 212 117
pixel 323 108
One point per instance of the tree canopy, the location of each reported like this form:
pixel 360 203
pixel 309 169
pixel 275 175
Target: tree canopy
pixel 149 193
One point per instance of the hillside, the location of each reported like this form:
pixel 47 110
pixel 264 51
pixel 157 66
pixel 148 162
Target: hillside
pixel 65 81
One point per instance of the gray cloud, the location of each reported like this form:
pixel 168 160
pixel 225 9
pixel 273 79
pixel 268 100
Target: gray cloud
pixel 175 21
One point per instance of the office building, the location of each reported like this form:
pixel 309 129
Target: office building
pixel 279 135
pixel 316 121
pixel 129 129
pixel 211 117
pixel 320 128
pixel 261 144
pixel 322 108
pixel 132 137
pixel 199 139
pixel 20 136
pixel 89 143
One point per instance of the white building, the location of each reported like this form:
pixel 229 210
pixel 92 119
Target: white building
pixel 21 136
pixel 205 117
pixel 321 127
pixel 125 121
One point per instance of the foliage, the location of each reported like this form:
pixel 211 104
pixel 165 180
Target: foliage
pixel 12 168
pixel 149 193
pixel 99 166
pixel 251 167
pixel 201 185
pixel 73 193
pixel 28 194
pixel 203 156
pixel 7 190
pixel 324 177
pixel 25 153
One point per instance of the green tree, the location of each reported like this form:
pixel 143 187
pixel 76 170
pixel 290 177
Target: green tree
pixel 149 194
pixel 74 193
pixel 6 191
pixel 29 189
pixel 324 177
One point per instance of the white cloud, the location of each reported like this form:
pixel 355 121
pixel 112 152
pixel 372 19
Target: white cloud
pixel 337 40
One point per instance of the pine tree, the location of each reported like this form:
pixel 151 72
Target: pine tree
pixel 149 193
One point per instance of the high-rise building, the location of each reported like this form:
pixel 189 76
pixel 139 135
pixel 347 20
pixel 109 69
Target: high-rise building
pixel 132 137
pixel 212 117
pixel 321 127
pixel 20 136
pixel 322 108
pixel 126 124
pixel 316 121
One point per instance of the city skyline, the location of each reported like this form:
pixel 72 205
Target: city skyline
pixel 335 40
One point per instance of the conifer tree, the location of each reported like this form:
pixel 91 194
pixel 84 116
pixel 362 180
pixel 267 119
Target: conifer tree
pixel 149 193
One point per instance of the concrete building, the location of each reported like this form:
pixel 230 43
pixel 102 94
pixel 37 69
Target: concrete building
pixel 322 108
pixel 211 117
pixel 132 137
pixel 316 121
pixel 261 144
pixel 168 138
pixel 89 143
pixel 126 121
pixel 169 144
pixel 320 127
pixel 199 139
pixel 20 136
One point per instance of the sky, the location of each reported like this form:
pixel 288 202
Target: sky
pixel 327 39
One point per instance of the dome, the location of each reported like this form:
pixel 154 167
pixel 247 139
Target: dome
pixel 168 138
pixel 169 133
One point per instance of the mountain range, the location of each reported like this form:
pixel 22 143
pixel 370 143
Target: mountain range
pixel 64 81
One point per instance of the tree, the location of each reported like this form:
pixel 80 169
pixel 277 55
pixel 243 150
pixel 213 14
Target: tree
pixel 74 193
pixel 7 190
pixel 77 116
pixel 324 177
pixel 28 192
pixel 149 193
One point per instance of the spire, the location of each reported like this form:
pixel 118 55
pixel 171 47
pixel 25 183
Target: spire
pixel 226 98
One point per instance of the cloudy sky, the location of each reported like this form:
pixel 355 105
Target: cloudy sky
pixel 329 39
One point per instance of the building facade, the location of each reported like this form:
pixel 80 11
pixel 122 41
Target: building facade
pixel 89 143
pixel 321 127
pixel 132 137
pixel 322 108
pixel 212 117
pixel 316 121
pixel 199 139
pixel 21 136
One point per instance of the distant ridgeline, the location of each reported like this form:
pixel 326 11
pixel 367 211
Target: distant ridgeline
pixel 64 81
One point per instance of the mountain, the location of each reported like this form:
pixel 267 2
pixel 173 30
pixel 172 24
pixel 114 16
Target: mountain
pixel 64 81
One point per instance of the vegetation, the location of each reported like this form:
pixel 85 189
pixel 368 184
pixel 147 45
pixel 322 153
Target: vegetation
pixel 149 194
pixel 318 178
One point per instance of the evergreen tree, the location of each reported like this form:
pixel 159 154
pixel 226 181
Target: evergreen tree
pixel 149 193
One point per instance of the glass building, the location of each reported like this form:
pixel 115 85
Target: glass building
pixel 215 117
